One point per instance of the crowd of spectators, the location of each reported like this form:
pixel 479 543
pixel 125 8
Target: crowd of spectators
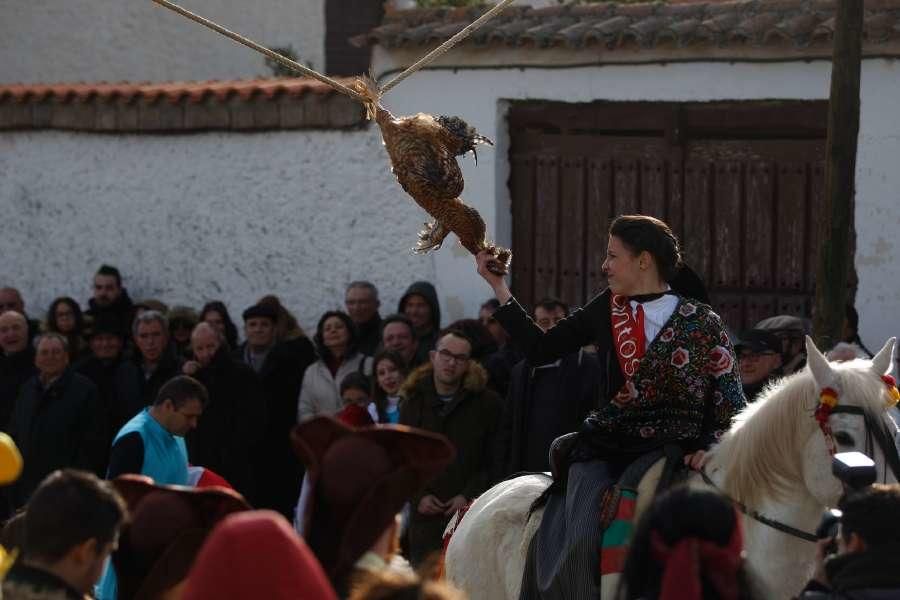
pixel 125 387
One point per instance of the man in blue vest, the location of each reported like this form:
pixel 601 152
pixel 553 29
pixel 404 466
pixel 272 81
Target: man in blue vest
pixel 152 443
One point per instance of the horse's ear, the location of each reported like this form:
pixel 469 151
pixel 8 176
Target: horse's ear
pixel 818 365
pixel 881 363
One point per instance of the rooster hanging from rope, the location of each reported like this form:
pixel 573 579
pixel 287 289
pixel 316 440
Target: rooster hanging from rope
pixel 422 148
pixel 423 151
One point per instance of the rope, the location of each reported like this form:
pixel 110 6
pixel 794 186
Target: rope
pixel 295 66
pixel 446 46
pixel 338 86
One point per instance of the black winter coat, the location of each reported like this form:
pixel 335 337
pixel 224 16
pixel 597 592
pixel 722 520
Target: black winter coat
pixel 121 311
pixel 232 422
pixel 60 427
pixel 277 470
pixel 15 370
pixel 119 385
pixel 169 366
pixel 575 386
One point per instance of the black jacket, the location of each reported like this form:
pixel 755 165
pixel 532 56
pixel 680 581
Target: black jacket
pixel 370 336
pixel 119 385
pixel 169 366
pixel 15 370
pixel 231 424
pixel 56 428
pixel 499 366
pixel 279 471
pixel 122 311
pixel 870 575
pixel 570 390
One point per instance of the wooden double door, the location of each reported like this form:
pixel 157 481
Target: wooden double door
pixel 739 183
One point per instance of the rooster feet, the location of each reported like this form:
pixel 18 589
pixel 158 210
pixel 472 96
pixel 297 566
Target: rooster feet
pixel 431 237
pixel 502 258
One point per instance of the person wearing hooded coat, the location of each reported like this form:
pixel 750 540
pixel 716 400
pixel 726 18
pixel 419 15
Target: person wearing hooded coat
pixel 426 330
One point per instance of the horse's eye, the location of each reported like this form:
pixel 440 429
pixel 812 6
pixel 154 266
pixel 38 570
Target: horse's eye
pixel 843 438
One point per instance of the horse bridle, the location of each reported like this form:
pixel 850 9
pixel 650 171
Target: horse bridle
pixel 875 428
pixel 777 525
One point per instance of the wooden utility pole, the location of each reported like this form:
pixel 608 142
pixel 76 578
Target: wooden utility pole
pixel 840 174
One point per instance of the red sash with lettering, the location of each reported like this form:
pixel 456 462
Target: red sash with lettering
pixel 630 343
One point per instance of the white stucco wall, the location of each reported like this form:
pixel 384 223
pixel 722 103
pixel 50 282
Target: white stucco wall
pixel 189 218
pixel 878 204
pixel 481 97
pixel 137 40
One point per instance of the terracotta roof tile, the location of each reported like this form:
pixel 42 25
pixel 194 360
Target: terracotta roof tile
pixel 185 105
pixel 638 25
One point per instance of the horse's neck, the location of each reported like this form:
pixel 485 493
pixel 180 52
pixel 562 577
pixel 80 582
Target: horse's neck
pixel 782 561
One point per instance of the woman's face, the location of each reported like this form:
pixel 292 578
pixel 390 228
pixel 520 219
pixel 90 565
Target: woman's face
pixel 334 333
pixel 622 267
pixel 65 317
pixel 388 376
pixel 215 320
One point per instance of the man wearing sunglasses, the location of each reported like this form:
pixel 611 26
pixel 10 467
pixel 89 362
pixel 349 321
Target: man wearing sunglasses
pixel 449 395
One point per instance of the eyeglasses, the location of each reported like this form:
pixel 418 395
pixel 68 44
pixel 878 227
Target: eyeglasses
pixel 450 357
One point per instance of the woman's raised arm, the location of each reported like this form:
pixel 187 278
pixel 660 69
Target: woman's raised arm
pixel 582 327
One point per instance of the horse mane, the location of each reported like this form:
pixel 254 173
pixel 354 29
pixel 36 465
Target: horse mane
pixel 762 455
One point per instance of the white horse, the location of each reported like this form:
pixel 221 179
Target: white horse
pixel 774 460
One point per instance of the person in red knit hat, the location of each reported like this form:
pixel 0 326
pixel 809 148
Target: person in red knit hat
pixel 256 554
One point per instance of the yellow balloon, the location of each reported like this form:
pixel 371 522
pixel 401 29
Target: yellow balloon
pixel 10 460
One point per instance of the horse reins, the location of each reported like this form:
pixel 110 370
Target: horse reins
pixel 777 525
pixel 874 428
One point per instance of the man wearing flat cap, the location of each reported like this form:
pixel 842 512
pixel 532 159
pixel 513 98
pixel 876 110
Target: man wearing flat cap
pixel 759 352
pixel 280 374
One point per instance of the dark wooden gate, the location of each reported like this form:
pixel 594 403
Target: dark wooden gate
pixel 738 183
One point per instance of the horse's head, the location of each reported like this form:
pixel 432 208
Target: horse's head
pixel 777 449
pixel 859 421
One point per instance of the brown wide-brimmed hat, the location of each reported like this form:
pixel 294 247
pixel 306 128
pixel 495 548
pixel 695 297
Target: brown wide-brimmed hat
pixel 168 524
pixel 359 479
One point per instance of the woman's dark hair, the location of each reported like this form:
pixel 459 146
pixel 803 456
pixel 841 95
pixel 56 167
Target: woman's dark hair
pixel 483 344
pixel 352 331
pixel 231 332
pixel 680 513
pixel 641 233
pixel 74 338
pixel 76 311
pixel 378 396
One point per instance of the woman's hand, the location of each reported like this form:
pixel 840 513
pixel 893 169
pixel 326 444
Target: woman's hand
pixel 497 282
pixel 696 461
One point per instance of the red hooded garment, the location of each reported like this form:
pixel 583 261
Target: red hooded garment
pixel 254 555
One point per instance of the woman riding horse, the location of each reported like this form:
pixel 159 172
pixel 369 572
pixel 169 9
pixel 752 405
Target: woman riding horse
pixel 671 379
